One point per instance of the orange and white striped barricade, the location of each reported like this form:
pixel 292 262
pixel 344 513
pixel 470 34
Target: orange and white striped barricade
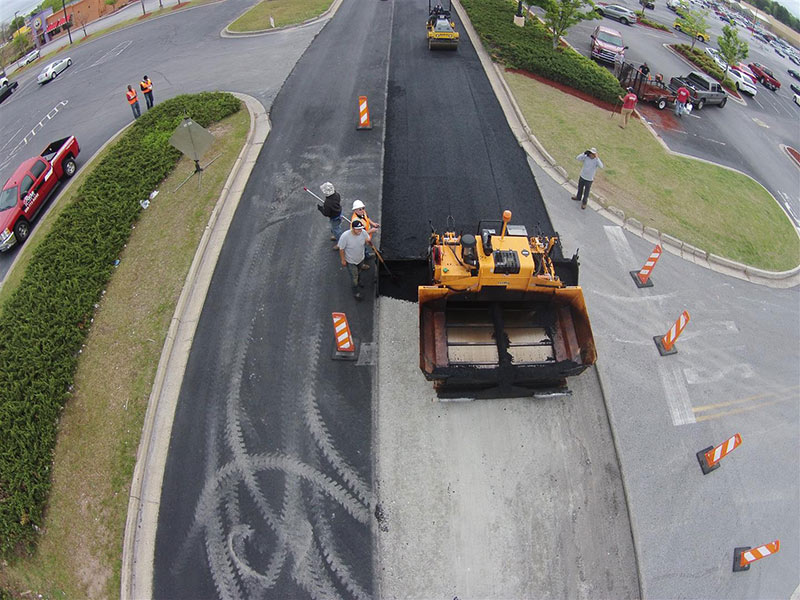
pixel 709 457
pixel 363 114
pixel 642 276
pixel 344 342
pixel 744 556
pixel 666 343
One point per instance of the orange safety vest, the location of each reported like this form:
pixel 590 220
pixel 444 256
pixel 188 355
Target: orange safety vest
pixel 147 86
pixel 131 96
pixel 365 220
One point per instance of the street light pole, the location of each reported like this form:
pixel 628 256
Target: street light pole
pixel 67 24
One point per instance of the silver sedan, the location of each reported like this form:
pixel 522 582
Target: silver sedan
pixel 52 70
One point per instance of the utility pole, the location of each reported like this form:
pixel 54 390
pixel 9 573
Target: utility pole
pixel 67 24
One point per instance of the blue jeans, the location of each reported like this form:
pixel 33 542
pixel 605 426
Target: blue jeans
pixel 136 111
pixel 679 109
pixel 336 226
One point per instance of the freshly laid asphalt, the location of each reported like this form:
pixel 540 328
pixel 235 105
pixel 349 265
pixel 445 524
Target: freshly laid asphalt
pixel 449 151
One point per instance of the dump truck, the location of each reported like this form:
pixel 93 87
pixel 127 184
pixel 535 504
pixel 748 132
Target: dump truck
pixel 503 313
pixel 442 34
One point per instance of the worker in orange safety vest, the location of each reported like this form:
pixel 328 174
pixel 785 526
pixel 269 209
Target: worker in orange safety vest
pixel 133 100
pixel 147 89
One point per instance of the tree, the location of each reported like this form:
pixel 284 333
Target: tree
pixel 560 15
pixel 693 22
pixel 731 47
pixel 16 23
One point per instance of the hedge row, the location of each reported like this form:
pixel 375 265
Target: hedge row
pixel 706 64
pixel 46 320
pixel 530 48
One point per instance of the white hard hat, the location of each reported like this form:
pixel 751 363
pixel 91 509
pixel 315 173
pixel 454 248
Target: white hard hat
pixel 327 188
pixel 357 204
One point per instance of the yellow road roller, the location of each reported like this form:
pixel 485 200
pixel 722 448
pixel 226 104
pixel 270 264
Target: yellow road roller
pixel 442 34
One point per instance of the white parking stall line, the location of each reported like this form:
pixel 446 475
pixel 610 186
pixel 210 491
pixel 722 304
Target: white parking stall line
pixel 113 53
pixel 11 138
pixel 680 405
pixel 791 214
pixel 36 128
pixel 619 243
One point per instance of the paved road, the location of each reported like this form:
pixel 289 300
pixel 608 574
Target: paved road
pixel 88 99
pixel 267 490
pixel 745 137
pixel 736 367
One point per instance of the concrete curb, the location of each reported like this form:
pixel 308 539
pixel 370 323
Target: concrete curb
pixel 331 10
pixel 138 547
pixel 534 149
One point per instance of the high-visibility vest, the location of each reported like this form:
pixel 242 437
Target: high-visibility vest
pixel 147 86
pixel 131 95
pixel 365 220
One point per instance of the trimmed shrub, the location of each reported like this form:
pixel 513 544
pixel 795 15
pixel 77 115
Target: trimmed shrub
pixel 530 48
pixel 45 321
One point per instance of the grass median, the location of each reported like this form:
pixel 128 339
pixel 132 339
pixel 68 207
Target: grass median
pixel 283 13
pixel 710 207
pixel 79 551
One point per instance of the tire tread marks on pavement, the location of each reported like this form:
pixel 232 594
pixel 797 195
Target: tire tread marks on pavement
pixel 267 491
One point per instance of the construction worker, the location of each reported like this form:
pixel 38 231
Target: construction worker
pixel 360 213
pixel 352 244
pixel 133 100
pixel 332 208
pixel 147 89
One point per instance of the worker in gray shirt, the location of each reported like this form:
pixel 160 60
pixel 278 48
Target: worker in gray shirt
pixel 590 162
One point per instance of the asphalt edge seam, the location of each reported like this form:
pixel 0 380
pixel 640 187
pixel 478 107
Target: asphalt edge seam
pixel 138 546
pixel 377 580
pixel 536 151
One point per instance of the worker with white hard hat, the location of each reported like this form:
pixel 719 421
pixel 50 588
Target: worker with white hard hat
pixel 370 226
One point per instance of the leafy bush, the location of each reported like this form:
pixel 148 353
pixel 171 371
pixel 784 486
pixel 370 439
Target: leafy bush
pixel 706 64
pixel 45 321
pixel 653 24
pixel 529 48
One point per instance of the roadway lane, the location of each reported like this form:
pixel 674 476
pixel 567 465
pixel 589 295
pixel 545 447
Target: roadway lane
pixel 445 154
pixel 181 52
pixel 267 489
pixel 504 498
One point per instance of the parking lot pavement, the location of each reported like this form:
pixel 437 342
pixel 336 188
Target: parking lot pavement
pixel 748 137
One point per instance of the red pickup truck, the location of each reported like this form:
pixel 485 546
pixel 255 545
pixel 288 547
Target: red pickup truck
pixel 27 190
pixel 765 76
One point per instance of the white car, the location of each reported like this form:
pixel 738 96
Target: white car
pixel 29 57
pixel 743 82
pixel 714 53
pixel 52 70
